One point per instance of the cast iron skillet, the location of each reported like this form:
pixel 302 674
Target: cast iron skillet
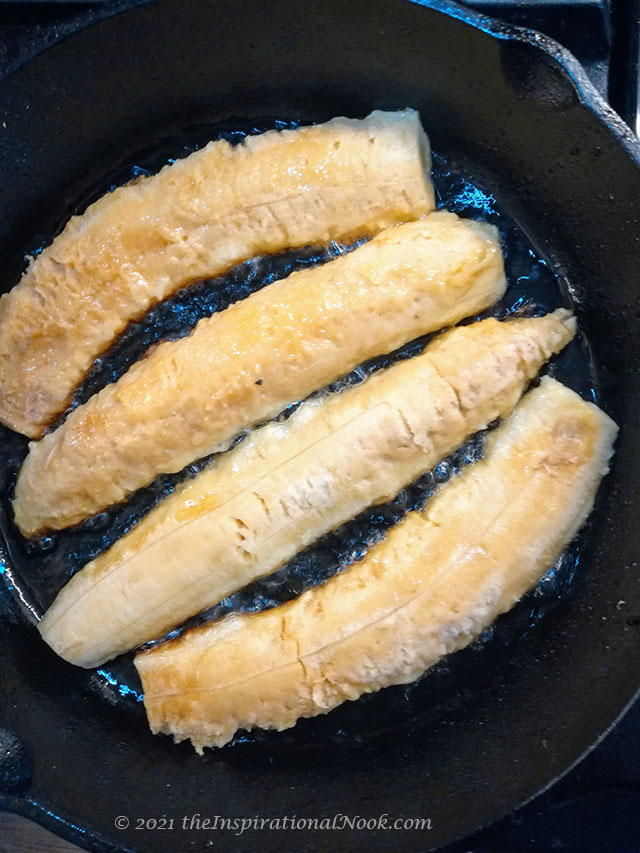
pixel 518 113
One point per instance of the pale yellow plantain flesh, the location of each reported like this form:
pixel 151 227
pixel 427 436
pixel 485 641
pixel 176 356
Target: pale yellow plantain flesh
pixel 196 219
pixel 434 584
pixel 247 363
pixel 288 484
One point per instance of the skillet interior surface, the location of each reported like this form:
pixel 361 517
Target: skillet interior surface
pixel 504 112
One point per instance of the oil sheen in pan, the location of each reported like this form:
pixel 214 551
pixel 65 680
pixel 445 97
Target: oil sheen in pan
pixel 39 569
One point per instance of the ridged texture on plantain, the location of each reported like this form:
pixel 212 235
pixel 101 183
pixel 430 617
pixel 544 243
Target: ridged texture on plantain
pixel 432 586
pixel 287 484
pixel 245 364
pixel 196 219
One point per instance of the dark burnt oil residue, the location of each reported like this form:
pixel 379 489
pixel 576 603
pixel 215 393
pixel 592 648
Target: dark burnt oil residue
pixel 37 570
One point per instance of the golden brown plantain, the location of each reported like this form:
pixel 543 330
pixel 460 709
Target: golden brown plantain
pixel 245 364
pixel 434 584
pixel 287 484
pixel 196 219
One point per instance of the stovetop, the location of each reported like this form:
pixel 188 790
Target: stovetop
pixel 596 807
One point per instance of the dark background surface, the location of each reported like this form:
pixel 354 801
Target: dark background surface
pixel 596 807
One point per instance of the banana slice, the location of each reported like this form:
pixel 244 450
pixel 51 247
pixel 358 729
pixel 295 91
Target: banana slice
pixel 432 586
pixel 245 364
pixel 195 220
pixel 288 484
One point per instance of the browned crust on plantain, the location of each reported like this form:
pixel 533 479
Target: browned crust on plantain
pixel 434 584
